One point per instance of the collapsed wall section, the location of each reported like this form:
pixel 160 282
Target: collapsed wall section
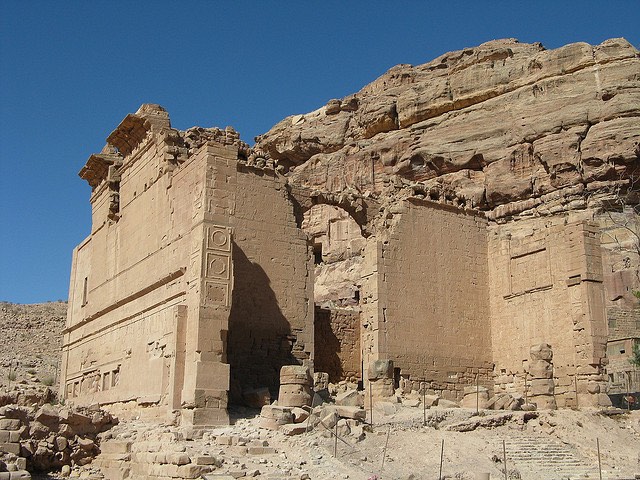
pixel 426 301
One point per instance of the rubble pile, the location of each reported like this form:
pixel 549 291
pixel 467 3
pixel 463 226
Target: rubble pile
pixel 37 436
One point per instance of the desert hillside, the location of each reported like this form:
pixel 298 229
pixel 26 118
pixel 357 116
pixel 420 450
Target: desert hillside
pixel 31 338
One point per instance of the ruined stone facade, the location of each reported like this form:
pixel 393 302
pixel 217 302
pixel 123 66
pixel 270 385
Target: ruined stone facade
pixel 188 289
pixel 450 221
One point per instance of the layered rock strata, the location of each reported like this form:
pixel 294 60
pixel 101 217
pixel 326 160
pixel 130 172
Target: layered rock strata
pixel 505 127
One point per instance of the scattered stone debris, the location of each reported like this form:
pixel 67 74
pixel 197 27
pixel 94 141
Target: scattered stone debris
pixel 38 436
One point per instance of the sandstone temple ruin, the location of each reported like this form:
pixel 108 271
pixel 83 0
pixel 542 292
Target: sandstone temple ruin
pixel 448 218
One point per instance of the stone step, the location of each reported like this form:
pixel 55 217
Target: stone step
pixel 544 459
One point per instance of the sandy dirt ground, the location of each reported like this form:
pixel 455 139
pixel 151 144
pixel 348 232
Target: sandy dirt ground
pixel 549 445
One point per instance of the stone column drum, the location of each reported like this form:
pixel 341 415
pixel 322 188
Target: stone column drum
pixel 542 388
pixel 295 386
pixel 380 380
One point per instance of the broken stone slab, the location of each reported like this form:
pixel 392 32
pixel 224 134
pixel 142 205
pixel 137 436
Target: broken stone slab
pixel 431 400
pixel 514 404
pixel 329 420
pixel 470 401
pixel 291 429
pixel 86 444
pixel 272 416
pixel 472 390
pixel 499 401
pixel 387 408
pixel 350 398
pixel 444 403
pixel 357 431
pixel 17 475
pixel 354 413
pixel 47 415
pixel 411 402
pixel 343 428
pixel 299 414
pixel 261 450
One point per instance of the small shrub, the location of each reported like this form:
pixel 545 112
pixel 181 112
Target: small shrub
pixel 31 371
pixel 12 376
pixel 48 381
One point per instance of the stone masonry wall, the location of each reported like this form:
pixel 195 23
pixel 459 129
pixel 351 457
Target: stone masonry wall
pixel 623 323
pixel 337 344
pixel 435 318
pixel 195 267
pixel 546 287
pixel 126 288
pixel 271 322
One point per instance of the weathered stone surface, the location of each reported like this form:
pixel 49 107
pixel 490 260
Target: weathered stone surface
pixel 294 395
pixel 444 403
pixel 352 412
pixel 542 387
pixel 295 375
pixel 351 398
pixel 541 352
pixel 292 429
pixel 273 416
pixel 299 414
pixel 404 195
pixel 541 369
pixel 380 369
pixel 544 402
pixel 485 126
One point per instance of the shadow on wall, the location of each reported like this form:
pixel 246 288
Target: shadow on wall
pixel 259 341
pixel 327 346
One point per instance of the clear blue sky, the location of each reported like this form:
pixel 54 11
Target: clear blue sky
pixel 71 70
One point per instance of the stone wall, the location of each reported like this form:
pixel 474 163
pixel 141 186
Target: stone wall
pixel 194 267
pixel 546 287
pixel 337 344
pixel 624 333
pixel 127 283
pixel 271 322
pixel 432 298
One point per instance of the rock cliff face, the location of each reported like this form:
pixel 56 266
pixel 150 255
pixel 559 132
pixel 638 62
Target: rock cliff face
pixel 505 127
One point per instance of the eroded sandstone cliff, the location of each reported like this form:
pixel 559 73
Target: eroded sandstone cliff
pixel 506 127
